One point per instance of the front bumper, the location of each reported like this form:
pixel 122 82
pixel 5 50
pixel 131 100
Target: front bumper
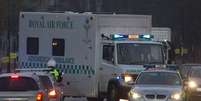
pixel 150 97
pixel 143 99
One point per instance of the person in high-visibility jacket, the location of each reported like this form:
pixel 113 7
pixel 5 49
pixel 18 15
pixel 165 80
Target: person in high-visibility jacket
pixel 54 70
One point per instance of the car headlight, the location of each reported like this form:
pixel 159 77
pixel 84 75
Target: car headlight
pixel 128 78
pixel 134 95
pixel 192 84
pixel 176 96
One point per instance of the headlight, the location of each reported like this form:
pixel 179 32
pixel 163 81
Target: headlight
pixel 128 78
pixel 134 94
pixel 176 96
pixel 192 84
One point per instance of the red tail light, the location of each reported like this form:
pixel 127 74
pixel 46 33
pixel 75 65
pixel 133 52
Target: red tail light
pixel 39 96
pixel 14 76
pixel 52 94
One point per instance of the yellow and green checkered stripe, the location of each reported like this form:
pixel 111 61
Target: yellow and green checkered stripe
pixel 66 68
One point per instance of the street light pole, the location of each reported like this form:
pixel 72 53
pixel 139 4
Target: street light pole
pixel 8 37
pixel 87 9
pixel 99 5
pixel 55 5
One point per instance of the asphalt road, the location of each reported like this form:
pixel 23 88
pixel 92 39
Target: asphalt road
pixel 77 99
pixel 82 99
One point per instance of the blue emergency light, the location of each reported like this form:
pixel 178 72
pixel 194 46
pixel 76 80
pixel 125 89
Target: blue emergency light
pixel 145 37
pixel 119 36
pixel 118 77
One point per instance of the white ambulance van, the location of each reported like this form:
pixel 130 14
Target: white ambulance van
pixel 99 54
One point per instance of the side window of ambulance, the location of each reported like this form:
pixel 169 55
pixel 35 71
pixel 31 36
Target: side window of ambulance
pixel 108 53
pixel 58 47
pixel 32 46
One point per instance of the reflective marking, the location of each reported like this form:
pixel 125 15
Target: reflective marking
pixel 66 68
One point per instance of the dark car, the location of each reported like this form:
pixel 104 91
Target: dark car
pixel 191 74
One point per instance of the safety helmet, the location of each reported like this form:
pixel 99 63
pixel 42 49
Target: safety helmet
pixel 51 62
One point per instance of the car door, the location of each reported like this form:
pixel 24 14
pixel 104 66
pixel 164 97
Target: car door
pixel 107 66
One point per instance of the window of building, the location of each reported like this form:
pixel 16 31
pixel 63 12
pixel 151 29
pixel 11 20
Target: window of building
pixel 58 47
pixel 108 53
pixel 32 46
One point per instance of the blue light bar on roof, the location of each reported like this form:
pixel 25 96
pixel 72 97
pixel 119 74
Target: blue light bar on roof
pixel 147 36
pixel 119 36
pixel 132 37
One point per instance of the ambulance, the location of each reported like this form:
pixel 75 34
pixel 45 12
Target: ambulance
pixel 100 55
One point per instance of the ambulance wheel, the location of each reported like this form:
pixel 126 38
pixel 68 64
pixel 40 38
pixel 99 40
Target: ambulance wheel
pixel 112 93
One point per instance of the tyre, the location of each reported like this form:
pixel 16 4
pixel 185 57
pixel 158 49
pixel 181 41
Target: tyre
pixel 112 93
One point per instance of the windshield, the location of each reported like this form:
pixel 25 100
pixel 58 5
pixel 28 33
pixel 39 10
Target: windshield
pixel 196 72
pixel 137 54
pixel 20 84
pixel 161 78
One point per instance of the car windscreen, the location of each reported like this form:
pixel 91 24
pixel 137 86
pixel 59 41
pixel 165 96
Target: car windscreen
pixel 18 84
pixel 45 80
pixel 196 72
pixel 160 78
pixel 138 53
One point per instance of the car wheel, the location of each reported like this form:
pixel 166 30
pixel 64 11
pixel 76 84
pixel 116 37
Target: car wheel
pixel 112 93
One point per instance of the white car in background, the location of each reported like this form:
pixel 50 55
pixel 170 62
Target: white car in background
pixel 25 87
pixel 157 85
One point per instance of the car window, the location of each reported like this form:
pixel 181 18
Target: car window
pixel 46 82
pixel 184 71
pixel 196 72
pixel 18 84
pixel 162 78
